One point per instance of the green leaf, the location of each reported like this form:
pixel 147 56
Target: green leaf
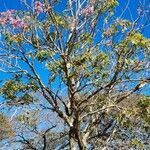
pixel 43 55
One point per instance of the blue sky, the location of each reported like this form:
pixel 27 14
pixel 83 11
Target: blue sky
pixel 10 4
pixel 16 4
pixel 133 5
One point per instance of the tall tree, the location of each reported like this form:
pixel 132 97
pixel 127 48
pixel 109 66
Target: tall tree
pixel 80 65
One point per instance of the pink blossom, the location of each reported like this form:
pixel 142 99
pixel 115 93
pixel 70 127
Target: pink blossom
pixel 2 21
pixel 38 3
pixel 8 13
pixel 107 32
pixel 18 23
pixel 92 1
pixel 6 17
pixel 73 24
pixel 89 10
pixel 39 7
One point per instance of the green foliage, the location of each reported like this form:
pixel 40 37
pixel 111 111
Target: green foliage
pixel 18 93
pixel 27 98
pixel 11 88
pixel 136 111
pixel 29 118
pixel 43 55
pixel 124 23
pixel 138 39
pixel 6 130
pixel 144 106
pixel 144 102
pixel 86 38
pixel 60 21
pixel 124 118
pixel 109 4
pixel 136 144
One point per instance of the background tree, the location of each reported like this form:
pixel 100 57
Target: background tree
pixel 80 66
pixel 6 130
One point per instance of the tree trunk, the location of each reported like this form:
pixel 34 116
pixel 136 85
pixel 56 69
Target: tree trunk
pixel 73 144
pixel 76 142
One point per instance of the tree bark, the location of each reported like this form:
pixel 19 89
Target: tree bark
pixel 73 144
pixel 76 142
